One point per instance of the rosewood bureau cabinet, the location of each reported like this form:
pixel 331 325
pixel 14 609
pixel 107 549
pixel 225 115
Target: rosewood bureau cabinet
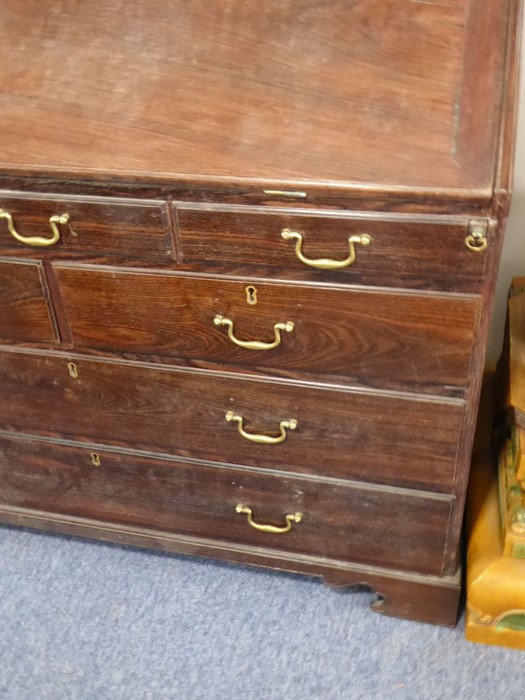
pixel 247 260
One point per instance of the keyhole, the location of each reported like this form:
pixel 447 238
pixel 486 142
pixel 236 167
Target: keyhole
pixel 251 295
pixel 73 370
pixel 95 459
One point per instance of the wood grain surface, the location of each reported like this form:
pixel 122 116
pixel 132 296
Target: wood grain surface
pixel 406 342
pixel 378 438
pixel 404 251
pixel 283 90
pixel 98 227
pixel 339 522
pixel 25 314
pixel 272 194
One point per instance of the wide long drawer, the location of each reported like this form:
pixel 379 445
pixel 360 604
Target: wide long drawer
pixel 225 418
pixel 77 227
pixel 392 528
pixel 340 247
pixel 398 341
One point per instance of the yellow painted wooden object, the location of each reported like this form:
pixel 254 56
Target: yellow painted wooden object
pixel 511 498
pixel 495 582
pixel 519 454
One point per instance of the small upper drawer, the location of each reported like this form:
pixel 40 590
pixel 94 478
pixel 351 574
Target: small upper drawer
pixel 65 226
pixel 350 522
pixel 429 253
pixel 25 314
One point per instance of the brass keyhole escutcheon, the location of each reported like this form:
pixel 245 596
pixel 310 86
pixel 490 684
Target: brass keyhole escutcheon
pixel 95 459
pixel 251 295
pixel 73 370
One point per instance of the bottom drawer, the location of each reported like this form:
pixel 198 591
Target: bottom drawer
pixel 352 522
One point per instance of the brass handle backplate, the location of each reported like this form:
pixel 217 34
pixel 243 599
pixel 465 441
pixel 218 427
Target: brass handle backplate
pixel 284 425
pixel 326 263
pixel 254 344
pixel 290 520
pixel 36 241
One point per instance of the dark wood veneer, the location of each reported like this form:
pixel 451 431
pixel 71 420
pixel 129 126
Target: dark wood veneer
pixel 285 90
pixel 381 339
pixel 378 438
pixel 404 252
pixel 347 523
pixel 25 314
pixel 98 227
pixel 240 191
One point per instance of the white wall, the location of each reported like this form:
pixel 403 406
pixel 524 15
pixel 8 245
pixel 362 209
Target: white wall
pixel 513 257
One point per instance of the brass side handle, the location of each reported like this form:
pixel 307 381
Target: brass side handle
pixel 326 263
pixel 288 327
pixel 290 520
pixel 284 425
pixel 36 241
pixel 477 241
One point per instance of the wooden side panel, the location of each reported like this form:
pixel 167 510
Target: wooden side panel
pixel 345 434
pixel 379 339
pixel 393 529
pixel 25 314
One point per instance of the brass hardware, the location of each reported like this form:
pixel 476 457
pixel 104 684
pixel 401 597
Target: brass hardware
pixel 36 241
pixel 290 519
pixel 326 263
pixel 73 370
pixel 254 344
pixel 251 295
pixel 284 193
pixel 284 425
pixel 477 239
pixel 61 219
pixel 95 459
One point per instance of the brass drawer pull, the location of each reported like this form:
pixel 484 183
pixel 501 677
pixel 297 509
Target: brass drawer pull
pixel 36 241
pixel 284 425
pixel 254 344
pixel 290 519
pixel 326 263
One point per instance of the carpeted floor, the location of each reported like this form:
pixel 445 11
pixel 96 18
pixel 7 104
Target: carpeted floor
pixel 90 621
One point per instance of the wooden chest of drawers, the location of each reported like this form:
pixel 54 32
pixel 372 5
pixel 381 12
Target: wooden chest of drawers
pixel 247 259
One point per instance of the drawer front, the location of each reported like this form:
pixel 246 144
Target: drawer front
pixel 25 315
pixel 399 341
pixel 374 526
pixel 90 226
pixel 223 418
pixel 425 254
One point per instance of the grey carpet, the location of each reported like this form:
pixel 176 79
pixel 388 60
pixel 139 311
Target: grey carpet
pixel 89 621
